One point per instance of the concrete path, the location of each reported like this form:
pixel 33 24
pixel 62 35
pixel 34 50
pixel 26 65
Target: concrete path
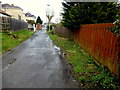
pixel 34 64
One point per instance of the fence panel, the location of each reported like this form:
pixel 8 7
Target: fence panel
pixel 17 24
pixel 11 24
pixel 101 43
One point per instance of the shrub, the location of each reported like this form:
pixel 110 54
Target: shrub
pixel 116 28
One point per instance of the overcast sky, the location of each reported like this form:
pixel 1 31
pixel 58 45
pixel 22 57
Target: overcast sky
pixel 38 7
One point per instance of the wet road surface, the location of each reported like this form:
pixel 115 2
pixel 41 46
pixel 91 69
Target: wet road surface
pixel 34 64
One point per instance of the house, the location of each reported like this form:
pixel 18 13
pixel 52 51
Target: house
pixel 29 16
pixel 15 11
pixel 31 20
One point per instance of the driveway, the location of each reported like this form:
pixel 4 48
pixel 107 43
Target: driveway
pixel 35 63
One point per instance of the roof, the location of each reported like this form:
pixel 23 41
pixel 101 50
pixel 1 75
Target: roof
pixel 29 15
pixel 1 11
pixel 5 6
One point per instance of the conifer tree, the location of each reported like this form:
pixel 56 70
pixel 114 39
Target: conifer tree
pixel 78 13
pixel 39 20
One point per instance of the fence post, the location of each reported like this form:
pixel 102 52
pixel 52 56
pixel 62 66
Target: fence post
pixel 0 24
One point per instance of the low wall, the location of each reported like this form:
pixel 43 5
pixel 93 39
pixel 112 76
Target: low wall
pixel 63 32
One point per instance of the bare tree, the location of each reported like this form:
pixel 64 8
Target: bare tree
pixel 49 15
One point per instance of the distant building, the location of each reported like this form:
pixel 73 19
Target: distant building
pixel 29 16
pixel 15 11
pixel 31 20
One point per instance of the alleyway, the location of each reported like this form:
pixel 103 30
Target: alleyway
pixel 34 64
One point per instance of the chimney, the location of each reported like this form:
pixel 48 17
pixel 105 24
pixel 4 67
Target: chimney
pixel 0 5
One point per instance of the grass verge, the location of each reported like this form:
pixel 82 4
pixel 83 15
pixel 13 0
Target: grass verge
pixel 10 40
pixel 85 70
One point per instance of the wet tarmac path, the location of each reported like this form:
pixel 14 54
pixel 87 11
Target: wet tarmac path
pixel 34 64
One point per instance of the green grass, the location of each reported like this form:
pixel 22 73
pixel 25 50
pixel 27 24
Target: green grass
pixel 85 70
pixel 10 40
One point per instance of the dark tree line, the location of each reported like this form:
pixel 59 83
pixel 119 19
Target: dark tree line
pixel 78 13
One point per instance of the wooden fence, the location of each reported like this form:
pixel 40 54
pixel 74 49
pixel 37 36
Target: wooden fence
pixel 100 43
pixel 11 24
